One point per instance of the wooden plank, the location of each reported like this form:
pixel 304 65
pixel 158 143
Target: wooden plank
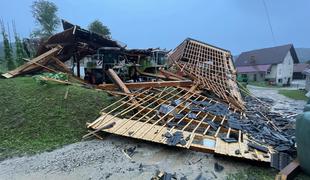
pixel 157 75
pixel 135 126
pixel 62 65
pixel 115 78
pixel 45 67
pixel 170 74
pixel 32 64
pixel 289 172
pixel 140 85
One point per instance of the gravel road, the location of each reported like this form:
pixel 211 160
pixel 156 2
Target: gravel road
pixel 104 159
pixel 282 104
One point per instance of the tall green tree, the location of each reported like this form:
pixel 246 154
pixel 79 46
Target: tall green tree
pixel 45 16
pixel 8 53
pixel 98 27
pixel 19 50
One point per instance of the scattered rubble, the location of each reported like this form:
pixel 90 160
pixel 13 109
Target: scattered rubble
pixel 218 167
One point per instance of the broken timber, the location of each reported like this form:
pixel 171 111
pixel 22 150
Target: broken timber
pixel 33 64
pixel 118 81
pixel 175 110
pixel 210 67
pixel 140 85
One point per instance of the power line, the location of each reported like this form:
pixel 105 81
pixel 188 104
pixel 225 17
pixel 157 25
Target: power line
pixel 269 22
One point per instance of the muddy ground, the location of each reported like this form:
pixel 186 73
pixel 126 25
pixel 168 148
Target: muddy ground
pixel 105 159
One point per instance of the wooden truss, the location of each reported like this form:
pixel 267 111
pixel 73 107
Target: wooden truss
pixel 210 67
pixel 142 119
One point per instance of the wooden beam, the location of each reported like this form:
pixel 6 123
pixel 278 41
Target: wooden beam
pixel 115 78
pixel 33 64
pixel 170 74
pixel 61 64
pixel 289 172
pixel 140 85
pixel 78 66
pixel 45 67
pixel 157 75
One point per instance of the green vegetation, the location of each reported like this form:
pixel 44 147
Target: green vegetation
pixel 260 84
pixel 257 173
pixel 19 52
pixel 36 118
pixel 8 52
pixel 294 94
pixel 260 173
pixel 45 15
pixel 98 27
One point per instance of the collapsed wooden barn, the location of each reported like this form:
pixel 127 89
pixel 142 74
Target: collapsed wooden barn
pixel 191 101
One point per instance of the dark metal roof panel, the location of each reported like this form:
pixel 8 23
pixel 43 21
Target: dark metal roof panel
pixel 273 55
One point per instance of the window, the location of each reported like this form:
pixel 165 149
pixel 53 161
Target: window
pixel 244 75
pixel 279 80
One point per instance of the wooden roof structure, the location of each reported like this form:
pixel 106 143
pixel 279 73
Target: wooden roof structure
pixel 209 67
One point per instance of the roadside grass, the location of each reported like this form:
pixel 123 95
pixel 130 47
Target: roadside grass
pixel 243 88
pixel 294 94
pixel 261 173
pixel 36 118
pixel 257 173
pixel 262 84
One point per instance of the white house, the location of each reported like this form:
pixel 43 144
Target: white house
pixel 274 64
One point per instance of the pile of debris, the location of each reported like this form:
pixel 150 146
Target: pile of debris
pixel 191 102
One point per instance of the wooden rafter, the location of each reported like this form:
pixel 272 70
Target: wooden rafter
pixel 140 85
pixel 145 121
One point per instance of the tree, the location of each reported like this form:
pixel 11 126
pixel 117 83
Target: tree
pixel 45 16
pixel 98 27
pixel 8 53
pixel 19 50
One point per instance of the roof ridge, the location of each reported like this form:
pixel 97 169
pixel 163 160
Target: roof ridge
pixel 290 44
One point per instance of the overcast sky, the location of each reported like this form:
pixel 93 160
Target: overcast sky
pixel 236 25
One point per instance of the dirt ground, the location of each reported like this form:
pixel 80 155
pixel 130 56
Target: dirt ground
pixel 97 159
pixel 104 159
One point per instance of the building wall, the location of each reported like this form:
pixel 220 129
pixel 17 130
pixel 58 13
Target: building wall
pixel 259 76
pixel 273 72
pixel 285 70
pixel 308 82
pixel 251 76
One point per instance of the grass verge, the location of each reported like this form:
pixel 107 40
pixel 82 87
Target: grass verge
pixel 294 94
pixel 258 173
pixel 262 84
pixel 36 118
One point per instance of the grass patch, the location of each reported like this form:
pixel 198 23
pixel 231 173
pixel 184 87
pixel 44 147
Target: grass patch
pixel 36 118
pixel 294 94
pixel 262 84
pixel 254 173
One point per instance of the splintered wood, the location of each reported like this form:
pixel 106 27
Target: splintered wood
pixel 179 117
pixel 210 67
pixel 34 64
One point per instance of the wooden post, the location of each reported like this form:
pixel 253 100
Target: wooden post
pixel 77 66
pixel 115 78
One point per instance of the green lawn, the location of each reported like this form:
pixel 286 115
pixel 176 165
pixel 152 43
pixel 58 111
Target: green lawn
pixel 255 173
pixel 262 84
pixel 294 94
pixel 36 118
pixel 261 173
